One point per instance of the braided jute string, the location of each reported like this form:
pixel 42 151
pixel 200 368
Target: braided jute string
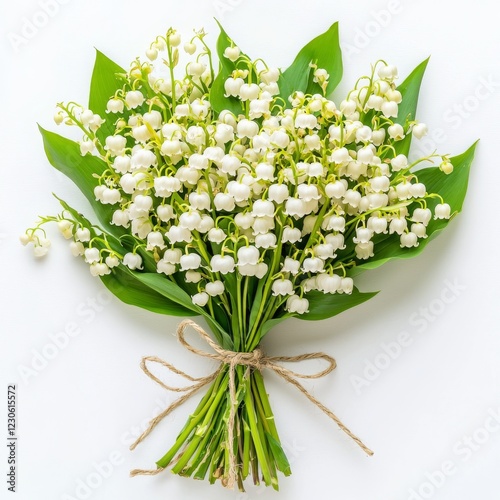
pixel 255 359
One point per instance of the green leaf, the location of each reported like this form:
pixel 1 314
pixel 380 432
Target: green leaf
pixel 325 52
pixel 175 293
pixel 325 305
pixel 218 101
pixel 64 155
pixel 410 90
pixel 168 289
pixel 271 323
pixel 452 188
pixel 103 85
pixel 132 291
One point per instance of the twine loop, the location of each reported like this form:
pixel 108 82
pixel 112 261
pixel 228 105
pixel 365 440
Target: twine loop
pixel 257 360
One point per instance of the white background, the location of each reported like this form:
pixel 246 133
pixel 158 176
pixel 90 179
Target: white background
pixel 84 405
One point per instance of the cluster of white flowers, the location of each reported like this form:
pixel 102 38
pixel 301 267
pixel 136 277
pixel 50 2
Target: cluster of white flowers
pixel 292 194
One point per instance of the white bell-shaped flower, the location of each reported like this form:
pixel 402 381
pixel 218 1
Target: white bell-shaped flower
pixel 172 255
pixel 442 211
pixel 313 265
pixel 132 261
pixel 409 240
pixel 417 190
pixel 190 220
pixel 249 91
pixel 377 224
pixel 223 264
pixel 223 201
pixel 263 208
pixel 419 130
pixel 295 304
pixel 398 225
pixel 324 251
pixel 291 235
pixel 347 285
pixel 155 240
pixel 363 235
pixel 328 283
pixel 190 261
pixel 364 250
pixel 248 255
pixel 232 86
pixel 92 255
pixel 291 266
pixel 380 183
pixel 193 276
pixel 134 98
pixel 177 234
pixel 166 267
pixel 419 229
pixel 282 287
pixel 215 288
pixel 112 261
pixel 116 144
pixel 422 215
pixel 99 269
pixel 165 212
pixel 399 162
pixel 200 299
pixel 77 249
pixel 244 220
pixel 396 132
pixel 336 241
pixel 278 193
pixel 216 235
pixel 82 234
pixel 266 240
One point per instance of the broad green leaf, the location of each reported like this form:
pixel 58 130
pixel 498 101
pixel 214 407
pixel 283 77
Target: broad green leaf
pixel 452 188
pixel 271 323
pixel 103 85
pixel 325 52
pixel 122 283
pixel 218 101
pixel 64 155
pixel 325 305
pixel 167 288
pixel 410 90
pixel 132 291
pixel 175 293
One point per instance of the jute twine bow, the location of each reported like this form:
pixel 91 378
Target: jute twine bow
pixel 257 360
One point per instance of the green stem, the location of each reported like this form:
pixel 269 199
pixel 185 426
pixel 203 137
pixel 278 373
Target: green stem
pixel 196 417
pixel 200 431
pixel 257 437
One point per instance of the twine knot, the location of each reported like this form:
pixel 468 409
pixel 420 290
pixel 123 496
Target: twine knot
pixel 257 360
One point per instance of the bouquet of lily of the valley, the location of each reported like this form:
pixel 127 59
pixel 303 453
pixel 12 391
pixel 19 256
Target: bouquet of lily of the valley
pixel 241 193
